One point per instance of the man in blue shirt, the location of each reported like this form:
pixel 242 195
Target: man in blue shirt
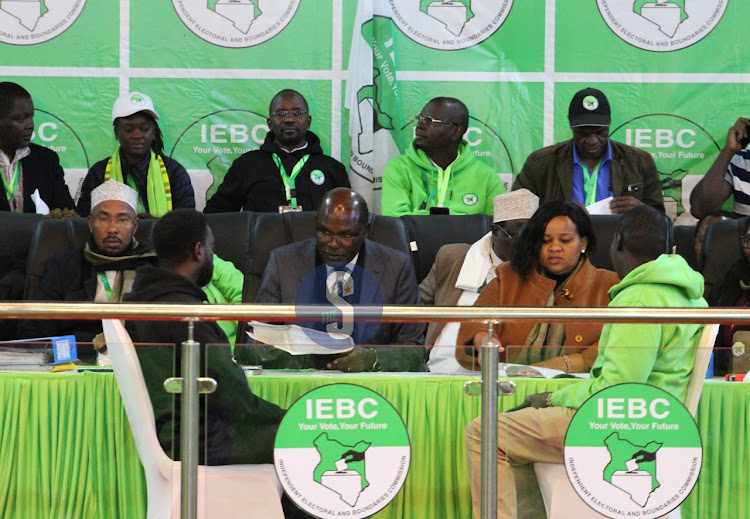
pixel 590 167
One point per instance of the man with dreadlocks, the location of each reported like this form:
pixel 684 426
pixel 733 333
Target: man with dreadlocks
pixel 139 161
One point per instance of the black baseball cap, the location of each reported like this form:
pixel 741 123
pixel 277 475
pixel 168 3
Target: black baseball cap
pixel 589 107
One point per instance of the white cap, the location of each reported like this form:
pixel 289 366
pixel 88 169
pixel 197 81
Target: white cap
pixel 516 205
pixel 132 103
pixel 113 190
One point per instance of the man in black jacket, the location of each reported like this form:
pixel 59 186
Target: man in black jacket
pixel 288 172
pixel 236 427
pixel 26 168
pixel 102 270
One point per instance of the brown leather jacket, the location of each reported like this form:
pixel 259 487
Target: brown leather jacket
pixel 587 288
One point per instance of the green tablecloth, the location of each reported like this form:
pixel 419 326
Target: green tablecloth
pixel 66 448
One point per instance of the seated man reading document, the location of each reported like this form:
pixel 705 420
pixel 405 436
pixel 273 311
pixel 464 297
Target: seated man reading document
pixel 340 264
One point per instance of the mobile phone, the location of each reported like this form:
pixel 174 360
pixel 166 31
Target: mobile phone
pixel 744 142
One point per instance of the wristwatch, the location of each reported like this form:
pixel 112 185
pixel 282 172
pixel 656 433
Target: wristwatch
pixel 376 364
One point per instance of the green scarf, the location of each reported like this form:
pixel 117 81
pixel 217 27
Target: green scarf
pixel 158 190
pixel 135 256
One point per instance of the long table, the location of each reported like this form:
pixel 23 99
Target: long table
pixel 66 450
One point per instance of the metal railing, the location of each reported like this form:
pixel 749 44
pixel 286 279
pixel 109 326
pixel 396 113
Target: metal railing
pixel 285 313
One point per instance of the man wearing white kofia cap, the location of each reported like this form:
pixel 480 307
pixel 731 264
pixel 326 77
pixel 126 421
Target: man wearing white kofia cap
pixel 100 271
pixel 162 184
pixel 461 271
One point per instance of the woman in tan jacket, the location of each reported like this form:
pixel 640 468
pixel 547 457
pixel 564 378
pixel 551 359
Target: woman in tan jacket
pixel 549 267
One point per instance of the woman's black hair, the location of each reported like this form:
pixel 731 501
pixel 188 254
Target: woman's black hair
pixel 528 242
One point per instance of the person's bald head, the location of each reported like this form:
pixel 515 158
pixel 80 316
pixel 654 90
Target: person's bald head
pixel 341 225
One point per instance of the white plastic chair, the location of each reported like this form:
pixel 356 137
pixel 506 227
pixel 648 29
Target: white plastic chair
pixel 225 491
pixel 560 499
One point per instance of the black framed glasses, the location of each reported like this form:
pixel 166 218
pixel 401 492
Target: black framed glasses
pixel 428 119
pixel 283 114
pixel 745 240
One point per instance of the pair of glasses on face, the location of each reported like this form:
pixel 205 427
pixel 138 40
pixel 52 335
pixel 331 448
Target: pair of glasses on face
pixel 283 114
pixel 343 238
pixel 428 119
pixel 104 221
pixel 506 233
pixel 745 241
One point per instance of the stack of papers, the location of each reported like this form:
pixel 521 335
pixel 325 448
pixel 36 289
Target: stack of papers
pixel 295 340
pixel 42 354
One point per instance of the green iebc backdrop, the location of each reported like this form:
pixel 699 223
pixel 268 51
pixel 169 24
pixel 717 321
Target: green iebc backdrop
pixel 676 74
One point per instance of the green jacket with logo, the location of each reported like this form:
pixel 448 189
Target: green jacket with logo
pixel 660 355
pixel 411 179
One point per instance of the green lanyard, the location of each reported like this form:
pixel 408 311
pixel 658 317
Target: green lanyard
pixel 444 177
pixel 589 183
pixel 10 190
pixel 291 195
pixel 105 284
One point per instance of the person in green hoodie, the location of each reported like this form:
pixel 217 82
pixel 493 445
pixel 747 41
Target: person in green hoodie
pixel 658 354
pixel 439 173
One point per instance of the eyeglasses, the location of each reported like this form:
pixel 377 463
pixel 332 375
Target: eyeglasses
pixel 283 114
pixel 745 240
pixel 506 233
pixel 105 221
pixel 343 238
pixel 428 119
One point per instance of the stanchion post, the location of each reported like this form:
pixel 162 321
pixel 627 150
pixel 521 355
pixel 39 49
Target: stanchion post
pixel 189 427
pixel 490 359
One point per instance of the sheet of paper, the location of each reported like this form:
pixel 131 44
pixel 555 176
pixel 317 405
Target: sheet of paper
pixel 600 207
pixel 296 341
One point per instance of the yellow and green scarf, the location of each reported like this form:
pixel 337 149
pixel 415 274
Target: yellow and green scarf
pixel 158 190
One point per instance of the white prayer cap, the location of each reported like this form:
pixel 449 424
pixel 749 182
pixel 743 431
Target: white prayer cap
pixel 132 103
pixel 516 205
pixel 113 190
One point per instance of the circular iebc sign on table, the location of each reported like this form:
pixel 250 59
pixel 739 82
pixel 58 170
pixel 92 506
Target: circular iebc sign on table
pixel 342 450
pixel 633 450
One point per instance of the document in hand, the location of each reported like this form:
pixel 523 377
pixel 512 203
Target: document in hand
pixel 295 340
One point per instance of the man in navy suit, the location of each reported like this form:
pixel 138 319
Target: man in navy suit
pixel 26 168
pixel 342 268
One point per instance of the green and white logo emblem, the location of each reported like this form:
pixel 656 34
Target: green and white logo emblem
pixel 235 23
pixel 633 450
pixel 342 450
pixel 470 199
pixel 449 25
pixel 317 177
pixel 662 25
pixel 28 22
pixel 590 103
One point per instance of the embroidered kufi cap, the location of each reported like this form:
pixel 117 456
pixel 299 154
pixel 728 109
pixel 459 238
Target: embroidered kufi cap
pixel 516 205
pixel 113 190
pixel 132 103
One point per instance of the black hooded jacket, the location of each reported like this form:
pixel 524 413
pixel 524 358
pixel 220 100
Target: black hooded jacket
pixel 236 426
pixel 253 182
